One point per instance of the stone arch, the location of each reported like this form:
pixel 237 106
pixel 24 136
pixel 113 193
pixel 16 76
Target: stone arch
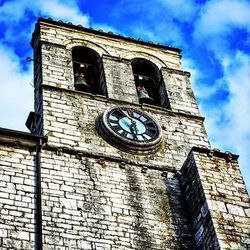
pixel 87 66
pixel 144 55
pixel 85 43
pixel 149 82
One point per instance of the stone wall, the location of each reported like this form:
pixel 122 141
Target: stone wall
pixel 179 90
pixel 120 79
pixel 217 197
pixel 17 198
pixel 99 203
pixel 69 121
pixel 202 223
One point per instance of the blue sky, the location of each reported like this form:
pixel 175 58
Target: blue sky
pixel 214 36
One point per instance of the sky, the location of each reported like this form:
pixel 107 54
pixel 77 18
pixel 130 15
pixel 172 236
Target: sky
pixel 214 37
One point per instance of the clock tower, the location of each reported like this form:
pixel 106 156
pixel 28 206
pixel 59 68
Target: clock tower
pixel 126 163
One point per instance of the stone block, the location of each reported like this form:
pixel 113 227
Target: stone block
pixel 235 210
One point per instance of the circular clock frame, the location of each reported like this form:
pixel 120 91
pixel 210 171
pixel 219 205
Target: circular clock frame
pixel 129 129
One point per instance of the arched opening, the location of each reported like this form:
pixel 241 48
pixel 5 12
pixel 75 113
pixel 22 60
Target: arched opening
pixel 87 67
pixel 149 83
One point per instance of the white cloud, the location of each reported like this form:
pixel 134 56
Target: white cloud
pixel 66 10
pixel 184 10
pixel 156 20
pixel 16 94
pixel 229 122
pixel 200 88
pixel 219 18
pixel 15 16
pixel 162 32
pixel 237 74
pixel 13 11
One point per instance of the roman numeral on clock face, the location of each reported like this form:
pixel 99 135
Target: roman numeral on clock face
pixel 124 133
pixel 116 127
pixel 149 123
pixel 113 124
pixel 146 137
pixel 149 135
pixel 113 118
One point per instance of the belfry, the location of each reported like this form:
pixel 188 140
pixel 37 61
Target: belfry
pixel 117 157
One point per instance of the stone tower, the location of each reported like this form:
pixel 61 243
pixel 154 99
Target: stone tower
pixel 118 157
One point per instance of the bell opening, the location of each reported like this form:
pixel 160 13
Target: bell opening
pixel 86 68
pixel 147 81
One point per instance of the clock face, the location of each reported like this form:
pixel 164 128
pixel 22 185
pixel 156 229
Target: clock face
pixel 130 128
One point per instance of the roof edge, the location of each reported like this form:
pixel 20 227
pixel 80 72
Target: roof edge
pixel 100 32
pixel 15 137
pixel 215 152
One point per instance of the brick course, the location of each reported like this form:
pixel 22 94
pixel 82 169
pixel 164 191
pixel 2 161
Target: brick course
pixel 17 198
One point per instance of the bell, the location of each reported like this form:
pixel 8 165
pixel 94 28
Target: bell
pixel 81 84
pixel 145 98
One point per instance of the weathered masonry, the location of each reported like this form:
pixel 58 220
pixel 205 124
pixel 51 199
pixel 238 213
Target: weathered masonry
pixel 117 156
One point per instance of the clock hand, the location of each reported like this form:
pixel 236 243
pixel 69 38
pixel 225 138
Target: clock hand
pixel 130 114
pixel 127 115
pixel 133 130
pixel 133 127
